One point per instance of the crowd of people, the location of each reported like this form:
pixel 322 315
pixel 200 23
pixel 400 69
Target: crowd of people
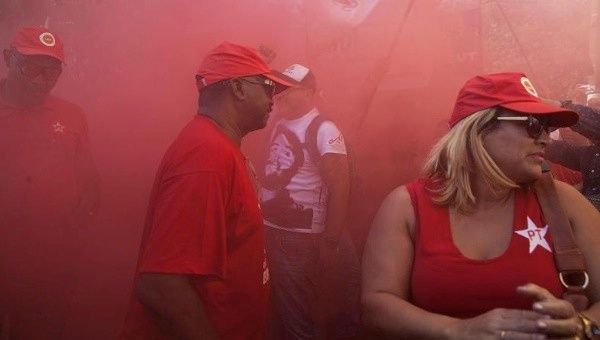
pixel 485 245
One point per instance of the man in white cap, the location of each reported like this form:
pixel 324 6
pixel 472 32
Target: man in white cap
pixel 305 193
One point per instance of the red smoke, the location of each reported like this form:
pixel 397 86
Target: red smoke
pixel 389 71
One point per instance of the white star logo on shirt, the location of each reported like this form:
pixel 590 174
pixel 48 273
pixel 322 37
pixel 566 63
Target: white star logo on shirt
pixel 58 127
pixel 535 235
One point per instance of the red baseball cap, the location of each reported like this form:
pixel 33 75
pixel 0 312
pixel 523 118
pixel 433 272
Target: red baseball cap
pixel 229 60
pixel 510 90
pixel 38 41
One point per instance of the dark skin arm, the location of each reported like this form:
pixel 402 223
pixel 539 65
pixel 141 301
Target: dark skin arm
pixel 589 120
pixel 335 172
pixel 563 153
pixel 175 301
pixel 336 175
pixel 90 194
pixel 89 182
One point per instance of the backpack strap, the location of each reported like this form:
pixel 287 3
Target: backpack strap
pixel 567 255
pixel 310 138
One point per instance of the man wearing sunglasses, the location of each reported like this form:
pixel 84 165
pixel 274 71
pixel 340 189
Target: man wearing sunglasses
pixel 48 187
pixel 202 271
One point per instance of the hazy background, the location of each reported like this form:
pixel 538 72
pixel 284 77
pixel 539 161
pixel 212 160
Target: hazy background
pixel 389 71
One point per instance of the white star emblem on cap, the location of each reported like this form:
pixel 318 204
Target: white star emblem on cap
pixel 535 235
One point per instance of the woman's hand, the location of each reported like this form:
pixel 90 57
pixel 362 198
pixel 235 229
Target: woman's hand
pixel 507 324
pixel 561 318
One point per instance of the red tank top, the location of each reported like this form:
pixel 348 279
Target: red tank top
pixel 446 282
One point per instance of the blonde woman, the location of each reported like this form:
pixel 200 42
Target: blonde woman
pixel 464 252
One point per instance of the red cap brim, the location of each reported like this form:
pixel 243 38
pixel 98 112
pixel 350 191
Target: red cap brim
pixel 36 51
pixel 280 80
pixel 559 117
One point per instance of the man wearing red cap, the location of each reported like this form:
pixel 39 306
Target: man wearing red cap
pixel 47 188
pixel 202 272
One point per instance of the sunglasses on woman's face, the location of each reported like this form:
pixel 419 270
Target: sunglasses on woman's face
pixel 534 125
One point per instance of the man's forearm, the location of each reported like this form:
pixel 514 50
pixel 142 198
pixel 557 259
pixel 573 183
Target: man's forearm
pixel 589 120
pixel 563 153
pixel 337 207
pixel 89 179
pixel 176 302
pixel 335 174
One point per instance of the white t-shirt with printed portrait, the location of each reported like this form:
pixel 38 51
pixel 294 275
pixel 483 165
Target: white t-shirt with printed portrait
pixel 294 196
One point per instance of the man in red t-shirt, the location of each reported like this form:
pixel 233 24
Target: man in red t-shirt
pixel 48 187
pixel 202 272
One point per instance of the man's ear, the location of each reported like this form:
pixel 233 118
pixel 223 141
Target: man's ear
pixel 237 88
pixel 199 82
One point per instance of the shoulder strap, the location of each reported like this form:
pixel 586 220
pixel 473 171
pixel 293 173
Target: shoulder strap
pixel 310 138
pixel 567 255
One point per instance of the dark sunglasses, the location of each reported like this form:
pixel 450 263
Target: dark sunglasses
pixel 267 84
pixel 32 70
pixel 534 126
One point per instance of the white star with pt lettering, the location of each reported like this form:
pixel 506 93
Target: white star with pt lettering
pixel 535 235
pixel 58 127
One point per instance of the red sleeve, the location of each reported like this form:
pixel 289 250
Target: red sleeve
pixel 188 229
pixel 565 174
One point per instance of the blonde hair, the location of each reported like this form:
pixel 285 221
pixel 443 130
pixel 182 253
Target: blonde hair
pixel 460 155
